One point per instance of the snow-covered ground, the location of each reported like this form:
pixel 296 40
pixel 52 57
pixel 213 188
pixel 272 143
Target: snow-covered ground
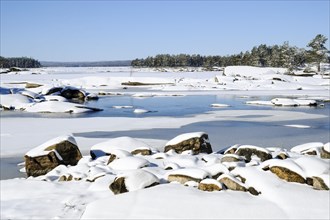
pixel 34 198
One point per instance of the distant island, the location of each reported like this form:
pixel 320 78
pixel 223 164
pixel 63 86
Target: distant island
pixel 86 64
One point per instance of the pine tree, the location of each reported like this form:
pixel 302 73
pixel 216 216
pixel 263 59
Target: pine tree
pixel 318 51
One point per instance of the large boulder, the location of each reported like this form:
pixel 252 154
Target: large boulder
pixel 197 142
pixel 73 93
pixel 44 158
pixel 132 181
pixel 248 151
pixel 67 92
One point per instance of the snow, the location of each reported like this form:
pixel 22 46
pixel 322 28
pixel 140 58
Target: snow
pixel 219 105
pixel 40 150
pixel 304 147
pixel 138 179
pixel 326 147
pixel 191 172
pixel 288 163
pixel 212 181
pixel 122 143
pixel 253 147
pixel 16 101
pixel 45 197
pixel 185 136
pixel 122 106
pixel 128 163
pixel 58 107
pixel 140 111
pixel 298 126
pixel 313 166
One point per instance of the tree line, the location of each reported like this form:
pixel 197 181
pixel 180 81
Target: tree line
pixel 263 55
pixel 21 62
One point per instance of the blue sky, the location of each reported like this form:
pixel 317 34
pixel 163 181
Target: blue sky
pixel 120 30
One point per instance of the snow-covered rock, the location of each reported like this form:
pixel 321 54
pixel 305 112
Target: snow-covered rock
pixel 128 163
pixel 210 185
pixel 15 101
pixel 198 142
pixel 187 174
pixel 132 181
pixel 44 158
pixel 123 143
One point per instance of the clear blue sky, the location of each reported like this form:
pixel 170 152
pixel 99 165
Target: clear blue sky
pixel 119 30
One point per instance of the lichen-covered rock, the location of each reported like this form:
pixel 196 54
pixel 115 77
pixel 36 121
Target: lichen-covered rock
pixel 209 185
pixel 248 151
pixel 44 158
pixel 197 142
pixel 287 174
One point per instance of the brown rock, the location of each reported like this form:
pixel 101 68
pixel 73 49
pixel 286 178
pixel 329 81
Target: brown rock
pixel 208 187
pixel 324 154
pixel 253 191
pixel 72 93
pixel 231 184
pixel 39 165
pixel 112 158
pixel 286 174
pixel 318 183
pixel 143 152
pixel 196 145
pixel 118 186
pixel 249 152
pixel 282 156
pixel 181 178
pixel 230 158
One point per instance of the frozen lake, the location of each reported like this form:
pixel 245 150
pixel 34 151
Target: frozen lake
pixel 243 130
